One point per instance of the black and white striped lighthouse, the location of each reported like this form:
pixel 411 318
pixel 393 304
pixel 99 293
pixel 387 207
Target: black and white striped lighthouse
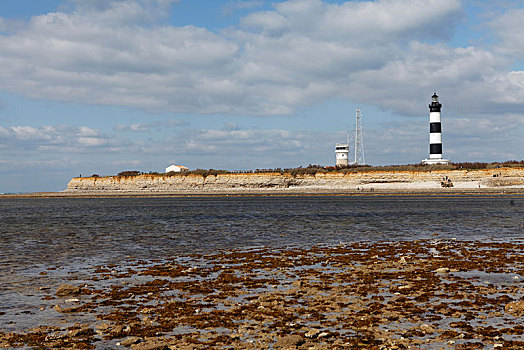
pixel 435 133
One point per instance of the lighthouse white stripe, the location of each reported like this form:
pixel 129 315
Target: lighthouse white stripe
pixel 435 138
pixel 434 117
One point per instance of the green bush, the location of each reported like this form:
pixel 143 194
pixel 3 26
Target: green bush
pixel 129 173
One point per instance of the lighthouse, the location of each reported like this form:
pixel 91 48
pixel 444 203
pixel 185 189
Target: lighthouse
pixel 435 133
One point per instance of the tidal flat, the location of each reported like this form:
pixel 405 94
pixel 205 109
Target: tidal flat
pixel 421 294
pixel 262 272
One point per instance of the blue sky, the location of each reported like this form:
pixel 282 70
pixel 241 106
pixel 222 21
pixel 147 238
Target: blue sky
pixel 102 86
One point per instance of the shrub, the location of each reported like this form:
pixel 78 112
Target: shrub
pixel 129 173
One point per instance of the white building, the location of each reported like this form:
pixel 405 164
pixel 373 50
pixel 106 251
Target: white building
pixel 176 168
pixel 341 153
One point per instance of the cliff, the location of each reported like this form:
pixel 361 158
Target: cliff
pixel 379 180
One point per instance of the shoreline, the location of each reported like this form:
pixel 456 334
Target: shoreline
pixel 518 191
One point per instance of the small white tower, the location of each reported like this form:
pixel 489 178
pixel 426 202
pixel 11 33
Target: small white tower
pixel 435 133
pixel 342 154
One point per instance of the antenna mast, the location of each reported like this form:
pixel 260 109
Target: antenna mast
pixel 359 142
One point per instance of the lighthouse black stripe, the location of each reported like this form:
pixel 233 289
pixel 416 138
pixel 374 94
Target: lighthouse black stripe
pixel 435 127
pixel 435 148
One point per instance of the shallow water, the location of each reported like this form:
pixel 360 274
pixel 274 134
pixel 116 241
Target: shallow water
pixel 55 231
pixel 69 236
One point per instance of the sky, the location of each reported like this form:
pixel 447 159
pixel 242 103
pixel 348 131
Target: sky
pixel 104 86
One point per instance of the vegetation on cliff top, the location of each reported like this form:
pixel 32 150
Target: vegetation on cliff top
pixel 315 169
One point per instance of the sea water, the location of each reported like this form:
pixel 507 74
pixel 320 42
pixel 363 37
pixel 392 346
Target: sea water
pixel 47 241
pixel 62 230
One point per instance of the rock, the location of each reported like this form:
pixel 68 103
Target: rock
pixel 130 341
pixel 55 336
pixel 515 309
pixel 84 330
pixel 289 341
pixel 312 333
pixel 151 344
pixel 67 289
pixel 426 328
pixel 103 328
pixel 67 310
pixel 442 270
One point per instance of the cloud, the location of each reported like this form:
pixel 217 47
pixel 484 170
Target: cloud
pixel 468 79
pixel 231 127
pixel 8 25
pixel 143 127
pixel 508 27
pixel 388 53
pixel 65 151
pixel 57 139
pixel 359 22
pixel 123 11
pixel 236 5
pixel 491 138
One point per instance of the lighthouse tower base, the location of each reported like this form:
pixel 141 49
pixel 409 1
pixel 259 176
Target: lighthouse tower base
pixel 431 161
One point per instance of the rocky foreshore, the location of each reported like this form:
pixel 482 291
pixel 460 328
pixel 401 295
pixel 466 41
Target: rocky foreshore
pixel 511 178
pixel 427 294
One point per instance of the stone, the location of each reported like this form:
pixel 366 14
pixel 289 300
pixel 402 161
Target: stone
pixel 442 270
pixel 67 289
pixel 67 310
pixel 151 344
pixel 426 328
pixel 104 326
pixel 312 333
pixel 289 341
pixel 84 330
pixel 130 341
pixel 515 309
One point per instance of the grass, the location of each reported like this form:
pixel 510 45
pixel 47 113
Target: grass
pixel 315 169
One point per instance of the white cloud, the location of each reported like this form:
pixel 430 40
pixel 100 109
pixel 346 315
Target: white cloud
pixel 57 139
pixel 509 28
pixel 359 22
pixel 143 127
pixel 388 53
pixel 67 151
pixel 123 11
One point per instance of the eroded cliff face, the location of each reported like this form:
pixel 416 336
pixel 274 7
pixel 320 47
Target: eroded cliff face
pixel 374 179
